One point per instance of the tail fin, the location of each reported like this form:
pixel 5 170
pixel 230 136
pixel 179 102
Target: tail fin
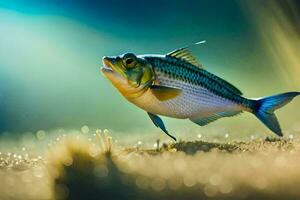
pixel 265 108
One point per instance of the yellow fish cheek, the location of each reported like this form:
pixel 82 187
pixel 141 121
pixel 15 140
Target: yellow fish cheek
pixel 147 75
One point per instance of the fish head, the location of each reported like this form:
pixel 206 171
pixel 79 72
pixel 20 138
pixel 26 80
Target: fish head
pixel 129 73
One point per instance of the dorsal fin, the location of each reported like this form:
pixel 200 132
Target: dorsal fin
pixel 186 55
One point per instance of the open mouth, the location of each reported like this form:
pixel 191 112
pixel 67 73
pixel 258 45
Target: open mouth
pixel 107 65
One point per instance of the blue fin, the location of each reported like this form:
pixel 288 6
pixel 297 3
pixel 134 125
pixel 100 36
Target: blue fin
pixel 157 121
pixel 206 120
pixel 265 108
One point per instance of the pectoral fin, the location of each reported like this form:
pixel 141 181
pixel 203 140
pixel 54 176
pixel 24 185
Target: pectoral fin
pixel 157 121
pixel 164 93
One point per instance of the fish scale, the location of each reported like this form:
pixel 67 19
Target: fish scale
pixel 189 73
pixel 194 101
pixel 177 69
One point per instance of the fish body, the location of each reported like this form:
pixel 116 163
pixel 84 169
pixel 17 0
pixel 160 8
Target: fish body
pixel 176 85
pixel 202 93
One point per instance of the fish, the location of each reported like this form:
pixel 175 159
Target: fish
pixel 176 85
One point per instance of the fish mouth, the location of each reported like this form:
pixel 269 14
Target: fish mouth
pixel 107 64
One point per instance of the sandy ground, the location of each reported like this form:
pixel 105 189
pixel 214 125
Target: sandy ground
pixel 79 167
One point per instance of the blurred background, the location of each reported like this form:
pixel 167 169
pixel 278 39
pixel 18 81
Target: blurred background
pixel 50 55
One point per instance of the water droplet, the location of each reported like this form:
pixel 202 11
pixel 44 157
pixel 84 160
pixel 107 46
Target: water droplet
pixel 94 151
pixel 40 134
pixel 215 179
pixel 98 131
pixel 199 136
pixel 85 129
pixel 105 131
pixel 210 190
pixel 226 188
pixel 189 180
pixel 158 184
pixel 142 182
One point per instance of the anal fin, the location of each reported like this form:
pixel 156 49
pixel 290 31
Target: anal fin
pixel 202 121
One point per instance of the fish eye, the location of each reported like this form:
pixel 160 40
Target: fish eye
pixel 129 61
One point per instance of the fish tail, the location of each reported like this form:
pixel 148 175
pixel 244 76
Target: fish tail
pixel 265 107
